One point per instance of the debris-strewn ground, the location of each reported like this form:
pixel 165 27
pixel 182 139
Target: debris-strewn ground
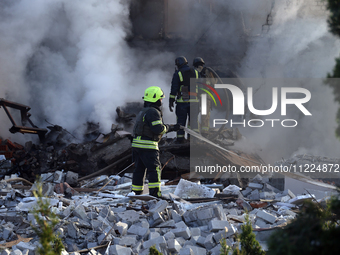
pixel 109 153
pixel 192 219
pixel 88 186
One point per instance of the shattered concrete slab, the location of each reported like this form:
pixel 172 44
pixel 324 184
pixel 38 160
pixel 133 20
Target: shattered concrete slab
pixel 187 189
pixel 231 190
pixel 203 215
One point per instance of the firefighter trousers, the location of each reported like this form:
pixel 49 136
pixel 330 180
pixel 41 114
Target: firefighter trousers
pixel 205 120
pixel 146 162
pixel 186 111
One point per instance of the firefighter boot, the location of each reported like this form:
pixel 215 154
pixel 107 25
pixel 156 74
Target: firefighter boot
pixel 155 192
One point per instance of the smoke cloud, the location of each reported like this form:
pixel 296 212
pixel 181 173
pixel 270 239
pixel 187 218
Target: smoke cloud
pixel 297 44
pixel 69 61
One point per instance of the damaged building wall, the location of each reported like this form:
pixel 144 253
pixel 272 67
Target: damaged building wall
pixel 147 18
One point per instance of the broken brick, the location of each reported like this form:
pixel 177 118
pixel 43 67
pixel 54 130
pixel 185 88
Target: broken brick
pixel 10 144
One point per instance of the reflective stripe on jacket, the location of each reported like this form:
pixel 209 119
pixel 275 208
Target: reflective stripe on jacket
pixel 149 128
pixel 180 78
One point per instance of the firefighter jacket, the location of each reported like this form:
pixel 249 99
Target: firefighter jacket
pixel 149 127
pixel 180 85
pixel 202 71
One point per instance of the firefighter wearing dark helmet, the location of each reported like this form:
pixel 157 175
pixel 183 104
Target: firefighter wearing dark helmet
pixel 147 132
pixel 186 100
pixel 198 64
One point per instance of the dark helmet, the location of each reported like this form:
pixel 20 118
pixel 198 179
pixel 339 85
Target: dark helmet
pixel 198 62
pixel 181 61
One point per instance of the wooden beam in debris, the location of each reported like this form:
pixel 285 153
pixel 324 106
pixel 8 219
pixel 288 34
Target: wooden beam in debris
pixel 174 147
pixel 109 167
pixel 241 159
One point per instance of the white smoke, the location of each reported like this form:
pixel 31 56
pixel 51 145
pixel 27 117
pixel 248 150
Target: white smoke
pixel 297 45
pixel 69 61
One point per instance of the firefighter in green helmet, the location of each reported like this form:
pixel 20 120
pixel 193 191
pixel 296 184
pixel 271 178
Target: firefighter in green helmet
pixel 147 132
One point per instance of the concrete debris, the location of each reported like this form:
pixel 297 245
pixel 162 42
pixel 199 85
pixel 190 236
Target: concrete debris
pixel 203 215
pixel 186 251
pixel 96 211
pixel 262 214
pixel 138 230
pixel 255 185
pixel 159 241
pixel 316 166
pixel 209 241
pixel 231 190
pixel 254 195
pixel 244 204
pixel 183 232
pixel 158 206
pixel 300 199
pixel 128 240
pixel 29 203
pixel 217 225
pixel 58 177
pixel 121 228
pixel 71 178
pixel 187 189
pixel 173 245
pixel 96 181
pixel 120 250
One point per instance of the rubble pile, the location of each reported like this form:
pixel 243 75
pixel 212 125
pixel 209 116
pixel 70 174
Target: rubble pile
pixel 111 220
pixel 108 153
pixel 60 153
pixel 98 213
pixel 323 169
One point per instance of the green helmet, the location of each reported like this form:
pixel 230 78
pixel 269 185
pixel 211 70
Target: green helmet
pixel 153 94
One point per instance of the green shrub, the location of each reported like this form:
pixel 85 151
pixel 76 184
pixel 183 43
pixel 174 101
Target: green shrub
pixel 46 221
pixel 249 244
pixel 225 249
pixel 154 251
pixel 314 231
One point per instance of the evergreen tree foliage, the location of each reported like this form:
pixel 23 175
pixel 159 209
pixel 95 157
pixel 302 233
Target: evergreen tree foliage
pixel 154 251
pixel 46 221
pixel 249 244
pixel 333 7
pixel 225 249
pixel 314 231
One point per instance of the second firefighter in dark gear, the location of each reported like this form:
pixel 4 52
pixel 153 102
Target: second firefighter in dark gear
pixel 187 103
pixel 198 64
pixel 147 132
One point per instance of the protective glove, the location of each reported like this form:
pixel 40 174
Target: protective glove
pixel 177 127
pixel 174 128
pixel 170 128
pixel 130 138
pixel 171 104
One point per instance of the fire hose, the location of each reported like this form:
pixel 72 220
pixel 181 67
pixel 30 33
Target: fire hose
pixel 290 175
pixel 193 133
